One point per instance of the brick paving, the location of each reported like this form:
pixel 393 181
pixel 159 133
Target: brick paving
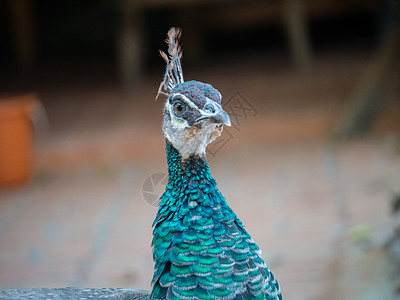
pixel 319 209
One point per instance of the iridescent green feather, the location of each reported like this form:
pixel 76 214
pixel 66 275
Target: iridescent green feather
pixel 200 247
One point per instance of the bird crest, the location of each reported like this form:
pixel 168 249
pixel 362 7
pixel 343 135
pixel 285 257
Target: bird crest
pixel 173 72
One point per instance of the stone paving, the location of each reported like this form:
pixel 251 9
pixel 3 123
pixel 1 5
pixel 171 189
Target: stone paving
pixel 319 209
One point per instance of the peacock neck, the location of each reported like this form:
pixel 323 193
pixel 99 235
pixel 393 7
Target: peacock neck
pixel 184 168
pixel 188 179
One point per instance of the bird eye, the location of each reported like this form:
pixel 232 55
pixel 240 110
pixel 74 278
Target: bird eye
pixel 179 108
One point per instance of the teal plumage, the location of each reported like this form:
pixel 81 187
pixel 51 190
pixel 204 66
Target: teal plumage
pixel 200 247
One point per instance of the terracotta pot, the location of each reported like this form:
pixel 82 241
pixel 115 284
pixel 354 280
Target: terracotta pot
pixel 16 139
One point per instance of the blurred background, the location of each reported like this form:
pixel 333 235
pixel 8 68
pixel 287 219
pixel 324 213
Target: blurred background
pixel 310 165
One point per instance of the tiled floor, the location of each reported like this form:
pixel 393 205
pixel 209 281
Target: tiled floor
pixel 318 209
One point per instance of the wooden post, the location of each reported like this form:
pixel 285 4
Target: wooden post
pixel 130 43
pixel 380 76
pixel 297 34
pixel 22 23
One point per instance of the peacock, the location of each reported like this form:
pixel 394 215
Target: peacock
pixel 200 247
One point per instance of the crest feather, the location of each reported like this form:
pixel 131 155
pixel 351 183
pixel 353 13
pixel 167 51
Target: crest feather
pixel 173 73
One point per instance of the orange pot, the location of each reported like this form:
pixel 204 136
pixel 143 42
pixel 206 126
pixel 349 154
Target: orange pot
pixel 16 139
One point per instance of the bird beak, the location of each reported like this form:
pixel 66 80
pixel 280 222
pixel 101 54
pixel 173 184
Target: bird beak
pixel 220 116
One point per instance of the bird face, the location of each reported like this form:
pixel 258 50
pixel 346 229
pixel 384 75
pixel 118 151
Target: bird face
pixel 193 117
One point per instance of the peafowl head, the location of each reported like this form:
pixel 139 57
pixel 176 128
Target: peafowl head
pixel 193 115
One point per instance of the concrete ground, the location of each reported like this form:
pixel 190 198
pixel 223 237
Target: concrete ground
pixel 319 209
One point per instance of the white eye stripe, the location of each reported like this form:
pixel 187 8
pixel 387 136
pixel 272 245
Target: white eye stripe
pixel 213 102
pixel 186 100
